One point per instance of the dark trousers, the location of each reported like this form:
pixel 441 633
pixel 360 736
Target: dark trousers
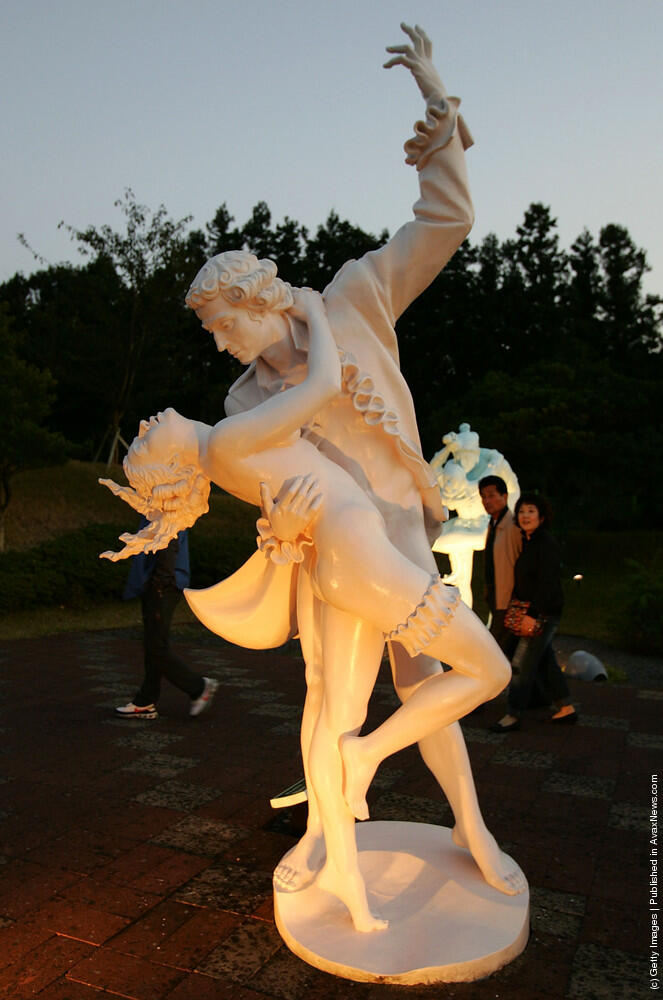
pixel 158 604
pixel 535 664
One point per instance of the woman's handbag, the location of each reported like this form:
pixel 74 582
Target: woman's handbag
pixel 513 618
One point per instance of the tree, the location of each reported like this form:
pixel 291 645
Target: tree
pixel 335 242
pixel 144 259
pixel 583 292
pixel 631 319
pixel 26 395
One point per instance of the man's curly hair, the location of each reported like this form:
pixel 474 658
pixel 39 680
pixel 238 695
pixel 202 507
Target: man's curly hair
pixel 242 280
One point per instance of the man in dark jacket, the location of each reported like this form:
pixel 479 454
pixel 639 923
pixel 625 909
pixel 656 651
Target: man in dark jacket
pixel 159 578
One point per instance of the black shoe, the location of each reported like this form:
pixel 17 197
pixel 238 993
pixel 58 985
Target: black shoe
pixel 510 727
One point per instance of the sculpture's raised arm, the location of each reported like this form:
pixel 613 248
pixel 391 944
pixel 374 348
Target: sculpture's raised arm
pixel 443 215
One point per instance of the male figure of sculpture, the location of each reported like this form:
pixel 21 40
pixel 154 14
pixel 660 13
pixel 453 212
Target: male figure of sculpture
pixel 369 430
pixel 459 466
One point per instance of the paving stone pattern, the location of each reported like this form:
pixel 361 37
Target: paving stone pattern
pixel 136 856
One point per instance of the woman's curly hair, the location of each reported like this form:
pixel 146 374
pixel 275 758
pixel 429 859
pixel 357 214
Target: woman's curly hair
pixel 172 497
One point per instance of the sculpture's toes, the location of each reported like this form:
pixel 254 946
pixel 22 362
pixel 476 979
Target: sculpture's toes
pixel 516 879
pixel 285 878
pixel 370 923
pixel 290 879
pixel 510 880
pixel 360 809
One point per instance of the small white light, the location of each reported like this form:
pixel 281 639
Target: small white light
pixel 578 576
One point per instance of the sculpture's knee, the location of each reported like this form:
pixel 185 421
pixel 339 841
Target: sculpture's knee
pixel 500 674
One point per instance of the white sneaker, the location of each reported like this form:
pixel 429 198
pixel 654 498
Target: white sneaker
pixel 205 700
pixel 132 711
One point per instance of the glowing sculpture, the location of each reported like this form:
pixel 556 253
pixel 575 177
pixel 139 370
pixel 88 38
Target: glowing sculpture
pixel 459 467
pixel 344 559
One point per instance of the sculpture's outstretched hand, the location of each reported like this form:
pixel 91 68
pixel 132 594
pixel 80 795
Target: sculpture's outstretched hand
pixel 292 511
pixel 418 59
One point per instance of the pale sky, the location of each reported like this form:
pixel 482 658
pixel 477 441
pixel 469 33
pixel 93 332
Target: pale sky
pixel 195 102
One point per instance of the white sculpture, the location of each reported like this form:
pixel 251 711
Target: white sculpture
pixel 343 553
pixel 459 466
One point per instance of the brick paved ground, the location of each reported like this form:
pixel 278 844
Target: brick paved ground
pixel 136 858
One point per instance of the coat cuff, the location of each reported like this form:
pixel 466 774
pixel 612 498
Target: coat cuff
pixel 442 122
pixel 279 551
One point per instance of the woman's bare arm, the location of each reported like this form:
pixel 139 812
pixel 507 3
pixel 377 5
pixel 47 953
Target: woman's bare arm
pixel 273 421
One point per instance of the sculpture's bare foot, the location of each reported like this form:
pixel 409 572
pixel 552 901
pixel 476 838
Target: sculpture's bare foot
pixel 358 773
pixel 350 889
pixel 300 865
pixel 450 578
pixel 497 868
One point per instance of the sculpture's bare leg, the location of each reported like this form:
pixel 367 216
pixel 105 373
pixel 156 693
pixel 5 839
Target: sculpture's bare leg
pixel 300 865
pixel 445 751
pixel 475 658
pixel 391 587
pixel 352 654
pixel 445 754
pixel 480 669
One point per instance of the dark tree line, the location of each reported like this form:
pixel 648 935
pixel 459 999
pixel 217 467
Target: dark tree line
pixel 553 356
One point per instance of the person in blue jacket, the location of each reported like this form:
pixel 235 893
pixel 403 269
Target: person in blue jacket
pixel 158 578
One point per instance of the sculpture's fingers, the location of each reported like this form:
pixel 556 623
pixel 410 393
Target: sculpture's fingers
pixel 311 485
pixel 398 61
pixel 298 492
pixel 315 503
pixel 306 480
pixel 426 42
pixel 413 34
pixel 402 50
pixel 292 492
pixel 299 503
pixel 266 499
pixel 311 500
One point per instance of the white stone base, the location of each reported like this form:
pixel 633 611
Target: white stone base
pixel 445 923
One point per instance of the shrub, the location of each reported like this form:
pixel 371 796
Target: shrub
pixel 67 570
pixel 643 606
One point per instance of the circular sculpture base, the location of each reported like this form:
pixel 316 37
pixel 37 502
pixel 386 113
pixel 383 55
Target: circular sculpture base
pixel 445 923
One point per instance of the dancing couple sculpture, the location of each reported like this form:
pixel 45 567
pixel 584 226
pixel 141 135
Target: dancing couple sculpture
pixel 321 433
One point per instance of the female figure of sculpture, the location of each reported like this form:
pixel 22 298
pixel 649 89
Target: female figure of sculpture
pixel 355 570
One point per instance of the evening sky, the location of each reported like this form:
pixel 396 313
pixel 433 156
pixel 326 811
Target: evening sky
pixel 199 102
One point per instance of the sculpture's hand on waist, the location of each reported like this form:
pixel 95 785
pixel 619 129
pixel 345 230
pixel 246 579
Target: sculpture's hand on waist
pixel 418 59
pixel 294 508
pixel 307 305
